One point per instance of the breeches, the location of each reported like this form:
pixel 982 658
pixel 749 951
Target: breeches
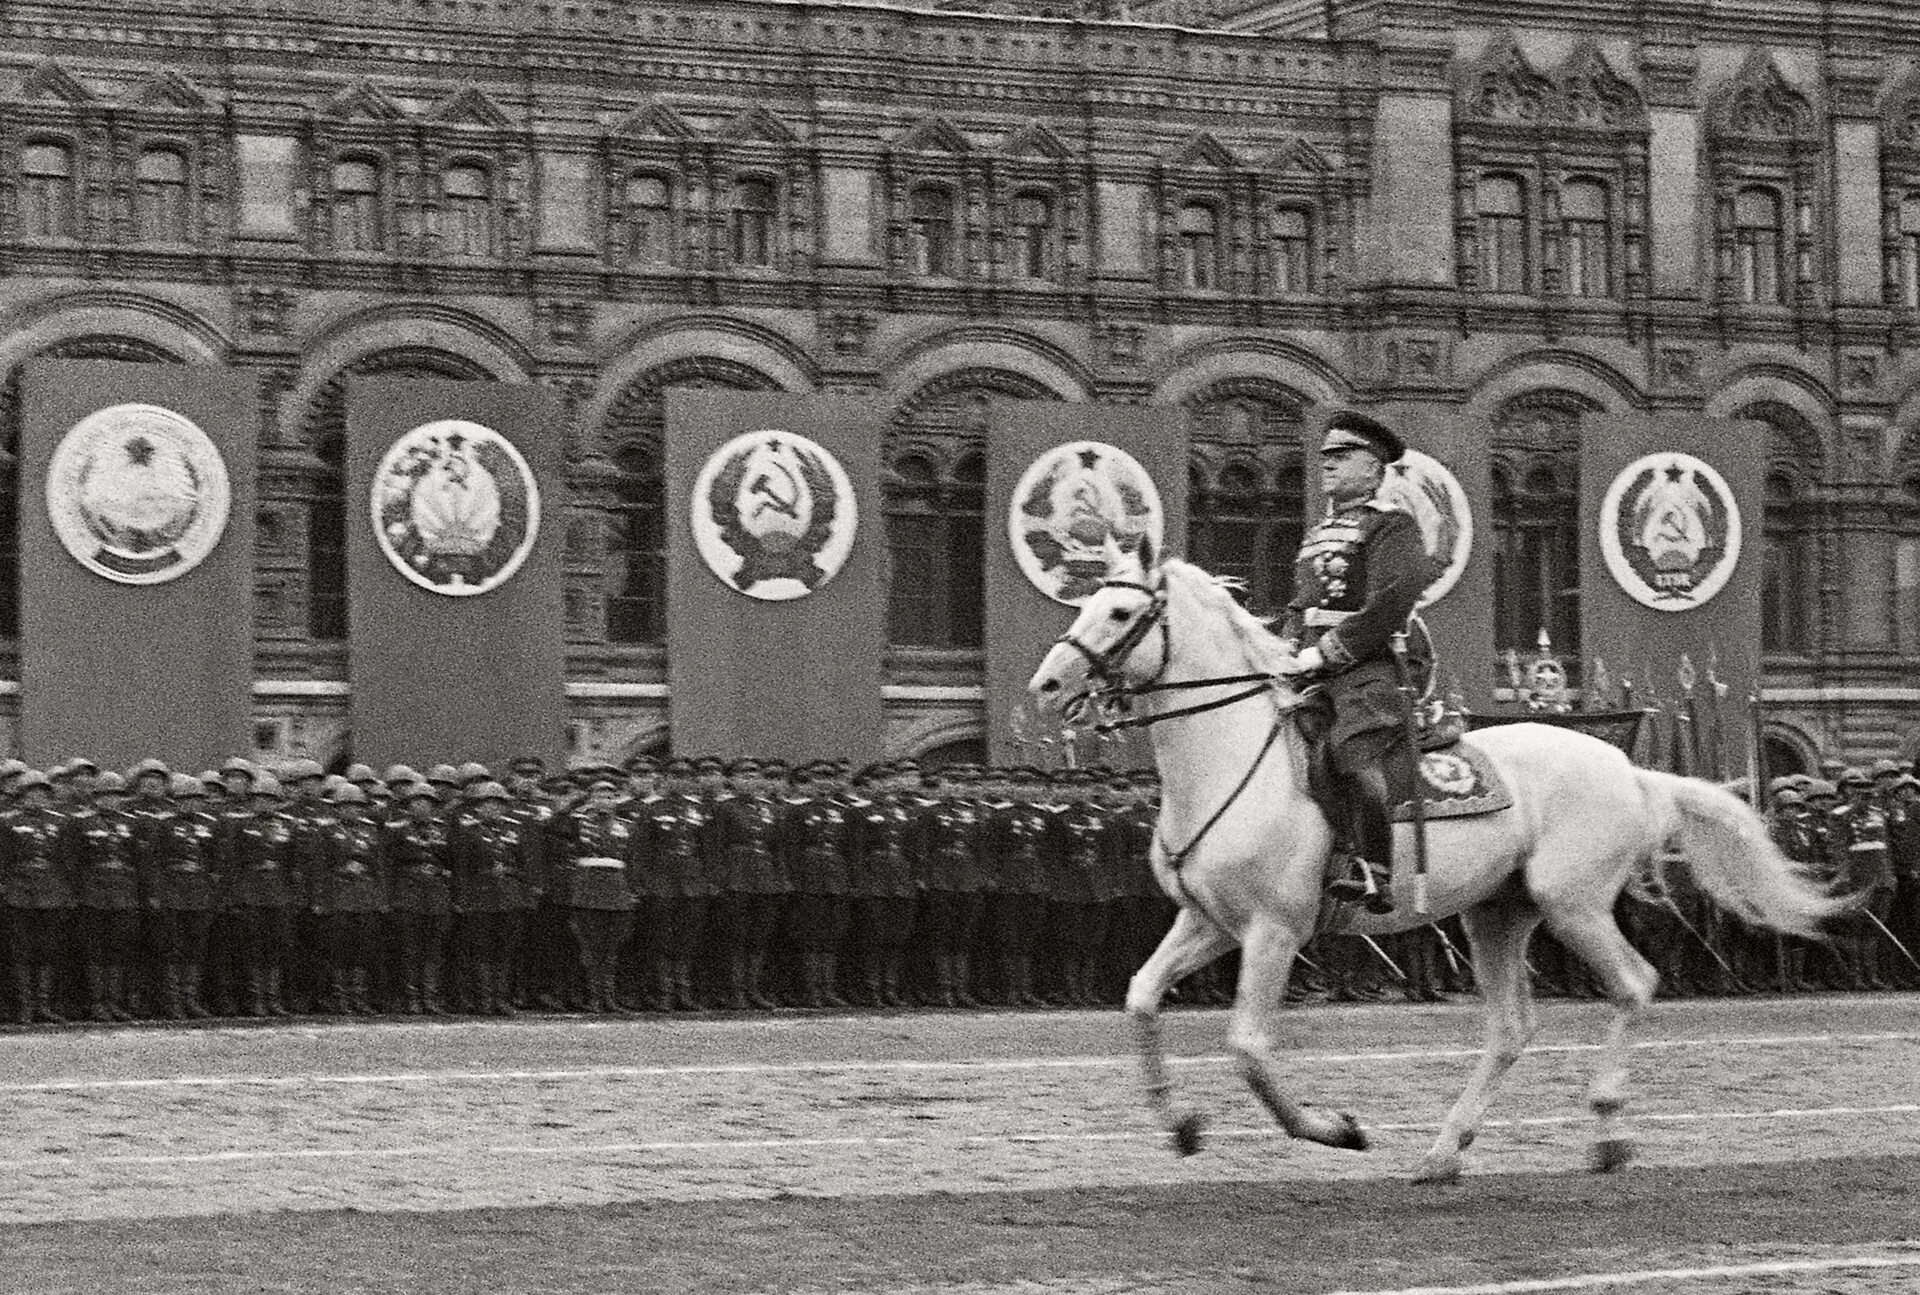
pixel 423 937
pixel 818 922
pixel 948 918
pixel 108 935
pixel 1016 922
pixel 600 933
pixel 746 923
pixel 669 926
pixel 36 936
pixel 883 923
pixel 489 939
pixel 347 939
pixel 179 934
pixel 1077 930
pixel 265 934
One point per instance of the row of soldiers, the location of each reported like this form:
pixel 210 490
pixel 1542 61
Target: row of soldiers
pixel 671 884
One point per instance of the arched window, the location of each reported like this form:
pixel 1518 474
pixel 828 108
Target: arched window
pixel 1246 504
pixel 637 550
pixel 1758 246
pixel 1910 250
pixel 47 207
pixel 359 211
pixel 468 226
pixel 930 232
pixel 1536 523
pixel 163 197
pixel 751 222
pixel 1033 236
pixel 1501 224
pixel 1199 247
pixel 1586 239
pixel 1789 519
pixel 1292 250
pixel 649 220
pixel 933 494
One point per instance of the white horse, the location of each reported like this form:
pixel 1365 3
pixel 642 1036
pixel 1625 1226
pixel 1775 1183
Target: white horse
pixel 1243 850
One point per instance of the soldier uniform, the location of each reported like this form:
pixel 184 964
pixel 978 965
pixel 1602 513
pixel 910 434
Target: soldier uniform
pixel 36 895
pixel 592 851
pixel 266 876
pixel 754 883
pixel 1019 837
pixel 496 884
pixel 182 869
pixel 347 889
pixel 107 888
pixel 1788 825
pixel 419 855
pixel 882 881
pixel 671 885
pixel 1903 845
pixel 946 854
pixel 1858 854
pixel 818 834
pixel 1360 573
pixel 1082 842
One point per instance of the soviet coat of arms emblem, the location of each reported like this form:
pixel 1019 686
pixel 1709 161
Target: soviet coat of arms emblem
pixel 774 515
pixel 138 493
pixel 1670 531
pixel 1422 486
pixel 1069 503
pixel 455 507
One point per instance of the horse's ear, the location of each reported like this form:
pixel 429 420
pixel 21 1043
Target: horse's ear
pixel 1143 550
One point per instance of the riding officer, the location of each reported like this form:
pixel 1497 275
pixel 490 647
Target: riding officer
pixel 1357 579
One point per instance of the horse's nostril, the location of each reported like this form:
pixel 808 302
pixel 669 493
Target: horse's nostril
pixel 1051 685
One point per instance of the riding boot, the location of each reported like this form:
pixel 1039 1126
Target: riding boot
pixel 500 990
pixel 737 982
pixel 413 1001
pixel 684 996
pixel 171 1007
pixel 1369 883
pixel 43 1005
pixel 276 981
pixel 362 985
pixel 116 998
pixel 962 980
pixel 430 999
pixel 190 1000
pixel 97 993
pixel 756 975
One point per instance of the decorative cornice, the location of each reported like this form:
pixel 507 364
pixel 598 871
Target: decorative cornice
pixel 1758 104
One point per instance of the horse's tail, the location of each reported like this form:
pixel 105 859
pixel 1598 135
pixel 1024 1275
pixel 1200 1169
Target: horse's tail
pixel 1732 856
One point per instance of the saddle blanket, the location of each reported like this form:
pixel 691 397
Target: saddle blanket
pixel 1458 781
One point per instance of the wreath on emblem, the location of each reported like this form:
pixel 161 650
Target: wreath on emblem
pixel 760 561
pixel 1447 774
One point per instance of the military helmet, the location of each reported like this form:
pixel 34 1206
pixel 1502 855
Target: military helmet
pixel 1787 796
pixel 417 790
pixel 109 783
pixel 184 786
pixel 1776 785
pixel 210 777
pixel 678 767
pixel 301 770
pixel 238 764
pixel 1820 787
pixel 80 764
pixel 1855 777
pixel 268 785
pixel 490 791
pixel 359 774
pixel 401 773
pixel 527 766
pixel 743 765
pixel 349 795
pixel 444 773
pixel 150 765
pixel 473 771
pixel 34 778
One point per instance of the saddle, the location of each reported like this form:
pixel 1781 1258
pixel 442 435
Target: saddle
pixel 1452 776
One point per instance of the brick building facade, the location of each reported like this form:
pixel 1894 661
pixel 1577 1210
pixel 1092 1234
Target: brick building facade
pixel 1248 213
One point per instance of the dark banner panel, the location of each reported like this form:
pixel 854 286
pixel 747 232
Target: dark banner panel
pixel 136 562
pixel 1671 549
pixel 776 584
pixel 1055 490
pixel 456 626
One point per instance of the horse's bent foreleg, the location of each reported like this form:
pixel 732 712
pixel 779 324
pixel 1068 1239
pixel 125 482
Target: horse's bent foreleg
pixel 1191 943
pixel 1266 960
pixel 1499 930
pixel 1630 981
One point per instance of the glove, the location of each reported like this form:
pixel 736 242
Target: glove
pixel 1305 662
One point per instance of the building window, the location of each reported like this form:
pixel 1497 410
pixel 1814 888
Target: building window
pixel 649 215
pixel 1910 250
pixel 469 211
pixel 1536 560
pixel 1292 244
pixel 1033 236
pixel 637 551
pixel 1245 514
pixel 359 219
pixel 752 223
pixel 327 546
pixel 47 208
pixel 1783 571
pixel 1758 246
pixel 1501 221
pixel 936 543
pixel 1586 239
pixel 163 196
pixel 1199 247
pixel 930 231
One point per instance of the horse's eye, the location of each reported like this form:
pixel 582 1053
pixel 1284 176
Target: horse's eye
pixel 1118 614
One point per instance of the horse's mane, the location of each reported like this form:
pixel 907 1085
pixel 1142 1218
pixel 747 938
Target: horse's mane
pixel 1263 648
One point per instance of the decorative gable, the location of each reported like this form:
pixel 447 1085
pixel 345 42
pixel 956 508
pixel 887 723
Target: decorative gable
pixel 50 81
pixel 1592 95
pixel 758 126
pixel 1036 141
pixel 171 89
pixel 1502 86
pixel 1900 110
pixel 365 101
pixel 471 106
pixel 655 121
pixel 933 135
pixel 1202 151
pixel 1760 104
pixel 1301 156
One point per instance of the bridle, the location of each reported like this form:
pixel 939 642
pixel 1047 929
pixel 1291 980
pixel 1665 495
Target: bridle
pixel 1110 691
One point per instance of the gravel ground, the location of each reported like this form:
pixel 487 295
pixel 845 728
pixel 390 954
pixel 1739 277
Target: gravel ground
pixel 940 1154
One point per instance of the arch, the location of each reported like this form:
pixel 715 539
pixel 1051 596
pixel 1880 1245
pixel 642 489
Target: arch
pixel 1557 369
pixel 652 738
pixel 1236 355
pixel 636 407
pixel 167 327
pixel 1769 380
pixel 981 347
pixel 1795 738
pixel 930 732
pixel 721 338
pixel 325 406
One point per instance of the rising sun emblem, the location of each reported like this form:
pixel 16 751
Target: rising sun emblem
pixel 138 493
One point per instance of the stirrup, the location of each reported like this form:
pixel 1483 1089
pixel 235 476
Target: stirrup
pixel 1365 884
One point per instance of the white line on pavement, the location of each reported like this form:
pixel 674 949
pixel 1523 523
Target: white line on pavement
pixel 1597 1281
pixel 447 1150
pixel 895 1065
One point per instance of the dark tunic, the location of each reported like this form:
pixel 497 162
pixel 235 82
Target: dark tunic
pixel 948 834
pixel 105 855
pixel 817 835
pixel 672 829
pixel 750 827
pixel 349 868
pixel 882 865
pixel 493 865
pixel 36 860
pixel 264 854
pixel 592 853
pixel 181 861
pixel 1017 833
pixel 419 857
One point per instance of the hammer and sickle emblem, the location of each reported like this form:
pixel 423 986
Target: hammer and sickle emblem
pixel 767 489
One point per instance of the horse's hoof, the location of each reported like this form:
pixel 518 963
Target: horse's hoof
pixel 1466 1139
pixel 1349 1137
pixel 1438 1173
pixel 1609 1154
pixel 1186 1135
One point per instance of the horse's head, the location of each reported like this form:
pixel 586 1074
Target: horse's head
pixel 1108 644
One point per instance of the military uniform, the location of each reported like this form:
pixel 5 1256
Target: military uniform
pixel 754 885
pixel 1076 915
pixel 673 889
pixel 592 852
pixel 1018 838
pixel 1859 857
pixel 947 860
pixel 266 887
pixel 1358 577
pixel 37 900
pixel 1903 846
pixel 496 884
pixel 883 888
pixel 182 871
pixel 107 888
pixel 818 835
pixel 419 856
pixel 348 890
